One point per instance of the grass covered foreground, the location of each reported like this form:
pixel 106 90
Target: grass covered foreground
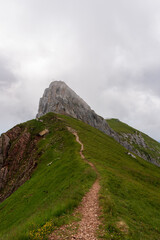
pixel 55 188
pixel 130 188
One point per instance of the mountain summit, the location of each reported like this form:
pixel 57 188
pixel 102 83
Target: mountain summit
pixel 59 98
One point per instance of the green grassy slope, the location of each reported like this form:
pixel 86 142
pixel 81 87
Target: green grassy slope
pixel 130 188
pixel 120 127
pixel 153 146
pixel 52 190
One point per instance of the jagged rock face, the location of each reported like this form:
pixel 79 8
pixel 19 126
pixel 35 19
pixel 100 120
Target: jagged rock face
pixel 135 139
pixel 130 141
pixel 17 159
pixel 59 98
pixel 1 152
pixel 4 146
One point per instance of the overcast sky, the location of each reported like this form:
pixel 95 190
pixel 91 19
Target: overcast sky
pixel 107 51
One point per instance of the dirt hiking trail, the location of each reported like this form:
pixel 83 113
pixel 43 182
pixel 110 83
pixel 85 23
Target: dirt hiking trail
pixel 89 210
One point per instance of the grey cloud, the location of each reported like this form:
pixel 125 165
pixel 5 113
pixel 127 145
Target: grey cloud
pixel 151 80
pixel 7 77
pixel 107 51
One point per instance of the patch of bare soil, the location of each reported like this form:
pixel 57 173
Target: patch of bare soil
pixel 89 210
pixel 122 226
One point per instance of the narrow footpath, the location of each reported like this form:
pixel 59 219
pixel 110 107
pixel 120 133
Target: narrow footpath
pixel 88 209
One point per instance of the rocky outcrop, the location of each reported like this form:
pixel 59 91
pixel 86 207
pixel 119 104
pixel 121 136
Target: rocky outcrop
pixel 17 159
pixel 1 153
pixel 44 132
pixel 59 98
pixel 136 144
pixel 4 146
pixel 135 138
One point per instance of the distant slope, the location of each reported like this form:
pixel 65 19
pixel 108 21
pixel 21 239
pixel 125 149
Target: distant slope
pixel 136 141
pixel 130 188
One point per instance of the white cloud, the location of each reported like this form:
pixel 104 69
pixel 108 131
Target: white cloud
pixel 107 51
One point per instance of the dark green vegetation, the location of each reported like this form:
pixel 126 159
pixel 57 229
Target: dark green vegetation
pixel 130 188
pixel 153 147
pixel 53 190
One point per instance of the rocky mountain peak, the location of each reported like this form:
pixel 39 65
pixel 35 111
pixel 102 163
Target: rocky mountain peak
pixel 59 98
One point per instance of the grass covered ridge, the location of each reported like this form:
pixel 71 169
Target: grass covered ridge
pixel 120 127
pixel 130 188
pixel 55 188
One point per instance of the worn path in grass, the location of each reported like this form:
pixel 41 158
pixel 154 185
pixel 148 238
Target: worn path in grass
pixel 88 209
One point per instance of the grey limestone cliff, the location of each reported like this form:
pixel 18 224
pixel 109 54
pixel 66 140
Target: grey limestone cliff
pixel 137 144
pixel 59 98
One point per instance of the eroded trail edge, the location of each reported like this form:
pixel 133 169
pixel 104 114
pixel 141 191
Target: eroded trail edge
pixel 88 209
pixel 82 148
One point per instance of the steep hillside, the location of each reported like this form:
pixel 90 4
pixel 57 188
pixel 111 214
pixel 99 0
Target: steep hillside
pixel 129 195
pixel 18 158
pixel 136 141
pixel 57 184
